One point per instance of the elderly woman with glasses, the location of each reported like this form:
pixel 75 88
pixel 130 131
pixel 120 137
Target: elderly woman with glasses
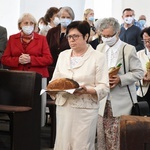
pixel 144 56
pixel 118 101
pixel 77 113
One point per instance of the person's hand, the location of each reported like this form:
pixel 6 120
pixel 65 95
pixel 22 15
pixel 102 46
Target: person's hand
pixel 146 78
pixel 52 94
pixel 84 90
pixel 114 80
pixel 80 90
pixel 24 59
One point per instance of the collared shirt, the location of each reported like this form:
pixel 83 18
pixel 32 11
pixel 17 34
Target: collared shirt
pixel 112 54
pixel 148 53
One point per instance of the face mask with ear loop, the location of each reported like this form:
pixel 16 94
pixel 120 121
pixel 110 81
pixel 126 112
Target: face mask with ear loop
pixel 65 22
pixel 27 29
pixel 56 21
pixel 128 20
pixel 110 41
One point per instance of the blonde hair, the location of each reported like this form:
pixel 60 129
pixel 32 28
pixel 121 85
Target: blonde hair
pixel 29 16
pixel 86 12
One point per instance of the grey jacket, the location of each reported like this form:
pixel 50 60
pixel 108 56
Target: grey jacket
pixel 119 95
pixel 3 41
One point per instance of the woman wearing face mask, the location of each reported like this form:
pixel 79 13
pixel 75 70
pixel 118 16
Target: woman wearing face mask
pixel 56 37
pixel 77 113
pixel 118 101
pixel 89 17
pixel 51 17
pixel 41 24
pixel 28 51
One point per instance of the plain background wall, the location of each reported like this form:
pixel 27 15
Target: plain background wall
pixel 11 10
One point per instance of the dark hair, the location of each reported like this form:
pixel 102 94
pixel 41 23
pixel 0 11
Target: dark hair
pixel 82 26
pixel 127 9
pixel 50 12
pixel 145 30
pixel 42 18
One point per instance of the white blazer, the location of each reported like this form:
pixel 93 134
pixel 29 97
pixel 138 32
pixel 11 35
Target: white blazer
pixel 91 71
pixel 144 59
pixel 119 95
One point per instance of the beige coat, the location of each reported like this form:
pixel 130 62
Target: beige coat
pixel 144 59
pixel 119 96
pixel 92 71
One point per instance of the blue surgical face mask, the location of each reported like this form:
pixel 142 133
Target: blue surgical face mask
pixel 65 22
pixel 142 22
pixel 91 18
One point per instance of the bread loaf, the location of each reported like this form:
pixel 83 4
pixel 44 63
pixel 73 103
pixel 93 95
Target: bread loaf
pixel 62 84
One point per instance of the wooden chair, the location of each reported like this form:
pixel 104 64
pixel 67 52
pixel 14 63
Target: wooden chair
pixel 52 111
pixel 52 107
pixel 134 133
pixel 20 100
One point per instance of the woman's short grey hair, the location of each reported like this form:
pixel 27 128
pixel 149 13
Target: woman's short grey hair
pixel 67 9
pixel 29 16
pixel 109 22
pixel 97 23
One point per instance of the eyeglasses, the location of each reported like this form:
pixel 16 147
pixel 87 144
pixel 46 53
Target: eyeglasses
pixel 146 41
pixel 108 36
pixel 74 36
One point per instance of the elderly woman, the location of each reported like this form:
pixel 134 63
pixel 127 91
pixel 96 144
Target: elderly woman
pixel 77 113
pixel 118 102
pixel 144 56
pixel 28 51
pixel 56 37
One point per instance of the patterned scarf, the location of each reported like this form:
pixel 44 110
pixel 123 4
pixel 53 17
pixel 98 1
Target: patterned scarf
pixel 26 39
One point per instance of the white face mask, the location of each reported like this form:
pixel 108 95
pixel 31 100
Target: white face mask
pixel 41 26
pixel 110 41
pixel 27 29
pixel 128 20
pixel 65 22
pixel 56 21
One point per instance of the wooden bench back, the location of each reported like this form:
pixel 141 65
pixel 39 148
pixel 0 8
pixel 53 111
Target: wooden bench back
pixel 18 88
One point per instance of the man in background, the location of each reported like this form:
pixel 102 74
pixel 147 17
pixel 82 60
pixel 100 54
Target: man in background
pixel 129 32
pixel 3 42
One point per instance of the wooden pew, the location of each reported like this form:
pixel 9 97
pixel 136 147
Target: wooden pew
pixel 134 133
pixel 20 100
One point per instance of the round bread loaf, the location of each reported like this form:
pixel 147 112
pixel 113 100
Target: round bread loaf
pixel 62 84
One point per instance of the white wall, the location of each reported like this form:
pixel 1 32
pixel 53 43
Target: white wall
pixel 10 10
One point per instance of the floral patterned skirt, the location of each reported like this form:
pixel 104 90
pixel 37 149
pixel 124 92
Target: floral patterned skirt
pixel 108 130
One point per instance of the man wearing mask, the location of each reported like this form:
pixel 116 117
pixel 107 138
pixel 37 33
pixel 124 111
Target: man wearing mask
pixel 3 42
pixel 142 21
pixel 130 33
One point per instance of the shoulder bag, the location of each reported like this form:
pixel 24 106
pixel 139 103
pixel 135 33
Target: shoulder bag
pixel 140 108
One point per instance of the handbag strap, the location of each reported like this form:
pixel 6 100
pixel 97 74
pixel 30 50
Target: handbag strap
pixel 141 89
pixel 125 73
